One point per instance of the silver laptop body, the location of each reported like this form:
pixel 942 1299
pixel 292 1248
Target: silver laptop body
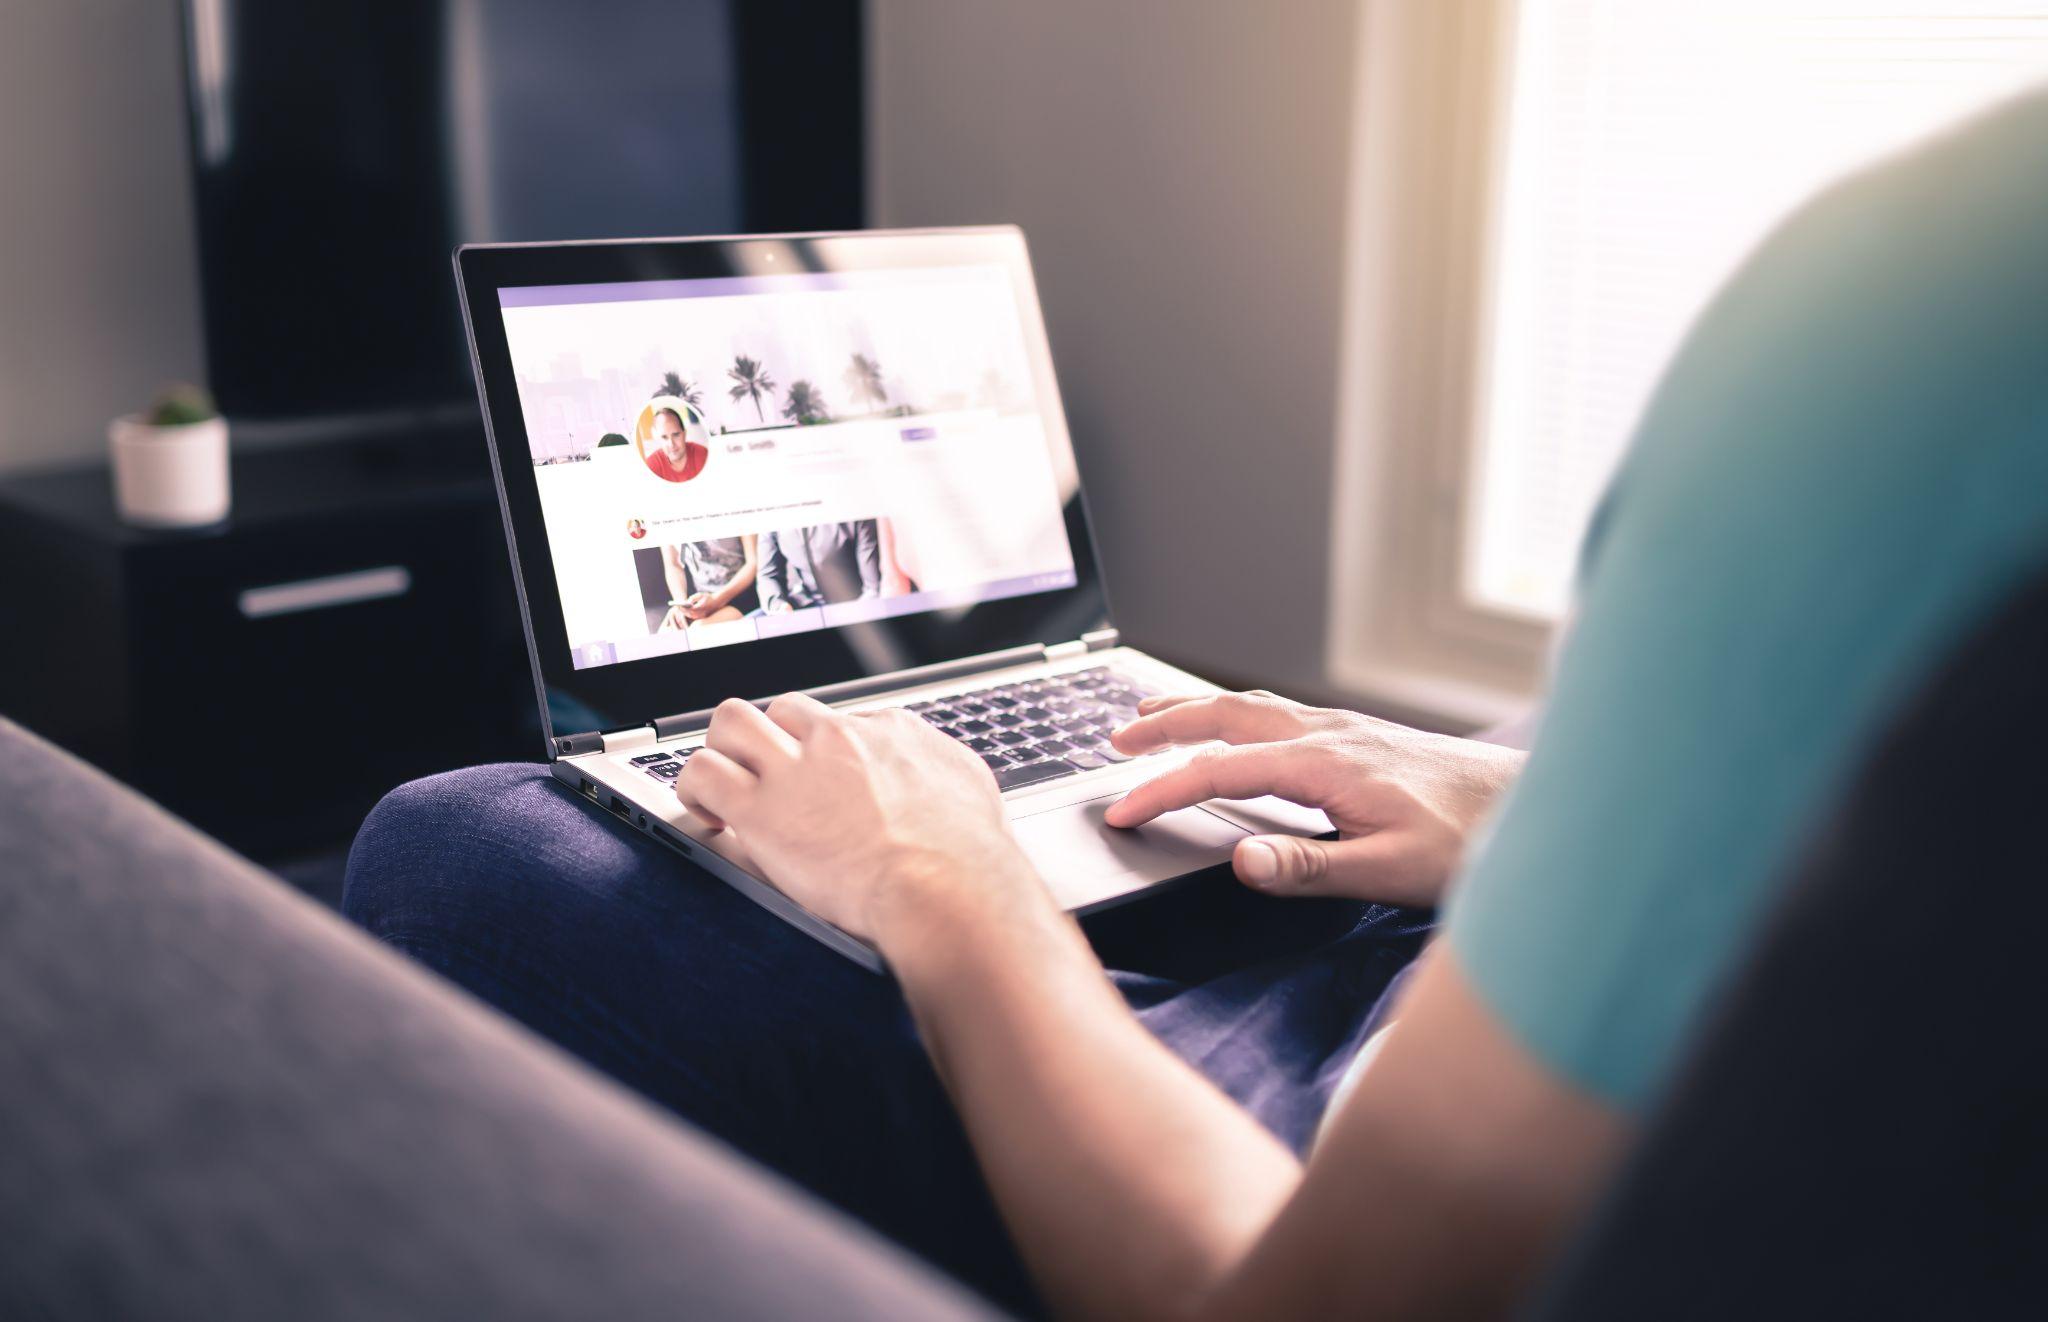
pixel 869 420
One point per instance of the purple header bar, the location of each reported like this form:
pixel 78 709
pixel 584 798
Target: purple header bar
pixel 641 291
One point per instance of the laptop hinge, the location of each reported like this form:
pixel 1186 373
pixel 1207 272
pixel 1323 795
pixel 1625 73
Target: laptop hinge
pixel 587 741
pixel 618 741
pixel 669 727
pixel 1098 641
pixel 567 745
pixel 689 722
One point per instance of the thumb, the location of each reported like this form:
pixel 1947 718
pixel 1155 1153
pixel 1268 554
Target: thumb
pixel 1369 867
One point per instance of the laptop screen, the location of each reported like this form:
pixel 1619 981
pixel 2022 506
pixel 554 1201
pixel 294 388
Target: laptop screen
pixel 726 460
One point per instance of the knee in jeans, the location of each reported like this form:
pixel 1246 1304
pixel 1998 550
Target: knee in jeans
pixel 427 828
pixel 505 840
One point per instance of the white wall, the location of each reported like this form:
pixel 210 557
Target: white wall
pixel 1178 165
pixel 99 300
pixel 1179 168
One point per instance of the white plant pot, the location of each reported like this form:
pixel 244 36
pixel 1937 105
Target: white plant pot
pixel 170 477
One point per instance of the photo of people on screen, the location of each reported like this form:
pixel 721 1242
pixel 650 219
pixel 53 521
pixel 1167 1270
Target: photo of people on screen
pixel 699 583
pixel 820 564
pixel 902 563
pixel 672 439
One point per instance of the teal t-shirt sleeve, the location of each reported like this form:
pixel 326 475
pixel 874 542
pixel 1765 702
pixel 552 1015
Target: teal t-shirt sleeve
pixel 1845 468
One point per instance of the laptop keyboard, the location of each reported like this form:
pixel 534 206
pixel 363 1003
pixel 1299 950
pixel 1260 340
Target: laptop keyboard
pixel 1041 729
pixel 1028 732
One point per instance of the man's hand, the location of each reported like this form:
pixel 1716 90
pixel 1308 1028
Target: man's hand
pixel 874 821
pixel 1403 801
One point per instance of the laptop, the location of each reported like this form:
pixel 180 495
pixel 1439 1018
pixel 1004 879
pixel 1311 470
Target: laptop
pixel 834 463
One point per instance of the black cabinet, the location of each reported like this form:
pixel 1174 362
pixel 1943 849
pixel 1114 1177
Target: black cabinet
pixel 351 626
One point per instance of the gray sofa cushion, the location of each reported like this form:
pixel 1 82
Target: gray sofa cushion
pixel 220 1101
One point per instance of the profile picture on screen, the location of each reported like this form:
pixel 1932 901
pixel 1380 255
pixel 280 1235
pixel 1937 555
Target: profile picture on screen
pixel 671 437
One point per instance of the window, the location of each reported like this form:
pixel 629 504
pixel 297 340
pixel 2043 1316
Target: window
pixel 1649 147
pixel 1546 195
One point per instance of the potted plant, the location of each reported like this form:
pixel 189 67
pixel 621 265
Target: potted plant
pixel 171 463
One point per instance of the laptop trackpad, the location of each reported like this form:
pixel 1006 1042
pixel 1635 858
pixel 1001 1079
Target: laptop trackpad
pixel 1085 862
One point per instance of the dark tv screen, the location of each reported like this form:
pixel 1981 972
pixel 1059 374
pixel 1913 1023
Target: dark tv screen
pixel 341 149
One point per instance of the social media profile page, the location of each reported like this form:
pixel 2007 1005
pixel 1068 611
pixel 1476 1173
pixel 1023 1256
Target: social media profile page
pixel 874 449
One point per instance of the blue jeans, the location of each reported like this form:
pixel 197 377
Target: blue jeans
pixel 650 969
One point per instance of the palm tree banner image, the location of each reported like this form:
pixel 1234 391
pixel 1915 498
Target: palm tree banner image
pixel 672 383
pixel 806 406
pixel 750 381
pixel 864 379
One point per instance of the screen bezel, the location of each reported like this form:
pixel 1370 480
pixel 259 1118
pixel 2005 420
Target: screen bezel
pixel 632 693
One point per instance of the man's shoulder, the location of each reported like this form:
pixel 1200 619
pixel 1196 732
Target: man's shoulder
pixel 1894 318
pixel 1843 471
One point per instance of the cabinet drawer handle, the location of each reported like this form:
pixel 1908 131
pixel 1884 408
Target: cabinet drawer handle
pixel 312 594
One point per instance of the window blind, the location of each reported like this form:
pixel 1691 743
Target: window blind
pixel 1649 145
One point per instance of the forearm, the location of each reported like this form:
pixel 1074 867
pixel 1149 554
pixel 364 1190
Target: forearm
pixel 1131 1184
pixel 1132 1187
